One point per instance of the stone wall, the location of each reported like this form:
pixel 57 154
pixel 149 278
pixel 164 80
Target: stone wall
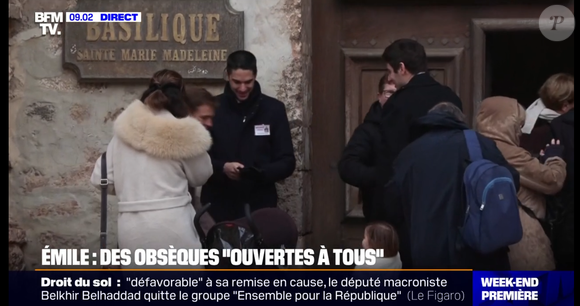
pixel 58 127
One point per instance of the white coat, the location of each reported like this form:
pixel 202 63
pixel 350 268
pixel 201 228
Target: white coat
pixel 151 160
pixel 384 263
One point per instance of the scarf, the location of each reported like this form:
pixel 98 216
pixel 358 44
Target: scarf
pixel 535 111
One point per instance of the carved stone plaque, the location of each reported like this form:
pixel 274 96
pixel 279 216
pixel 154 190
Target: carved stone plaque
pixel 192 37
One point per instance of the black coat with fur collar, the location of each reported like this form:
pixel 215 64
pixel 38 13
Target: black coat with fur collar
pixel 235 140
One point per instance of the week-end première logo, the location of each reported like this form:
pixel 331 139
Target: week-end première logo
pixel 557 23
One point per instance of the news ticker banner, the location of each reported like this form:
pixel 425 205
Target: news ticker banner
pixel 239 287
pixel 49 21
pixel 331 287
pixel 482 288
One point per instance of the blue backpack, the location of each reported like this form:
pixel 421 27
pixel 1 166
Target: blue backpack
pixel 492 220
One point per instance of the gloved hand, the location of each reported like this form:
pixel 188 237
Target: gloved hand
pixel 553 149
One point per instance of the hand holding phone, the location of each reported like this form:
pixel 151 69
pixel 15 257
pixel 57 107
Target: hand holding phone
pixel 232 170
pixel 251 173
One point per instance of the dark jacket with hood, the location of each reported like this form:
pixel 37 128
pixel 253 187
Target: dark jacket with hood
pixel 406 105
pixel 426 202
pixel 266 158
pixel 357 165
pixel 563 235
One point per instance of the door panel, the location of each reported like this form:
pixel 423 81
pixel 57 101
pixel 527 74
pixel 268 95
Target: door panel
pixel 438 75
pixel 369 89
pixel 363 70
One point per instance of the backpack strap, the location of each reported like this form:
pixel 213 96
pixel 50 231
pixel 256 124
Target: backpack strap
pixel 104 186
pixel 473 145
pixel 528 211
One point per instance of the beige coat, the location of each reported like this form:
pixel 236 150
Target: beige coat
pixel 501 119
pixel 151 161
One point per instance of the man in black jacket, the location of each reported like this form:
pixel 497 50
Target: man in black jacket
pixel 357 166
pixel 417 92
pixel 252 145
pixel 563 233
pixel 426 194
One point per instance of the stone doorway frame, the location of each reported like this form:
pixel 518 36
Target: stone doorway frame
pixel 479 30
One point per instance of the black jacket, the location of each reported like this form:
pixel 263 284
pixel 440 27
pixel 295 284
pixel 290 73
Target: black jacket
pixel 563 129
pixel 235 140
pixel 563 233
pixel 406 105
pixel 538 138
pixel 426 203
pixel 357 165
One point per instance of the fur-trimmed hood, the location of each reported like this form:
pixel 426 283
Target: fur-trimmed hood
pixel 161 135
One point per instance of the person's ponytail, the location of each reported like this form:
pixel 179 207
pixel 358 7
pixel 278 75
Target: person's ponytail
pixel 166 92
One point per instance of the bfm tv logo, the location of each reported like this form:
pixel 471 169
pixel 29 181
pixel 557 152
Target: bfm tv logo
pixel 48 22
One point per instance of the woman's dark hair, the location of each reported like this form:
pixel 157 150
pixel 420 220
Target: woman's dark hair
pixel 198 96
pixel 382 235
pixel 241 59
pixel 166 92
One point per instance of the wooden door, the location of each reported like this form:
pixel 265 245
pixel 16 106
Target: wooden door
pixel 363 71
pixel 348 38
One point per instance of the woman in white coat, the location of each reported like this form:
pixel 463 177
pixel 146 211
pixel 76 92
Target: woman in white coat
pixel 156 153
